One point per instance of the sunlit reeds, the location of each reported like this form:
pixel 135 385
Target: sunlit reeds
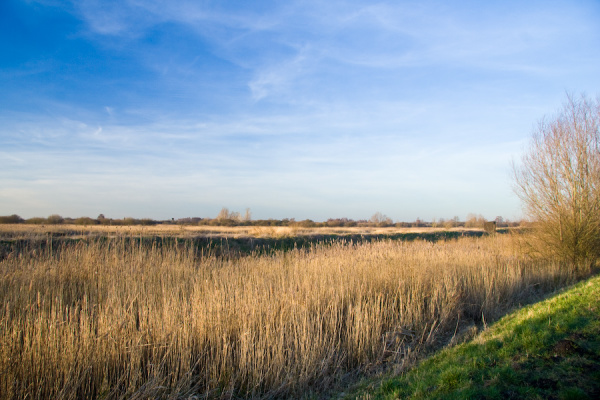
pixel 111 319
pixel 29 231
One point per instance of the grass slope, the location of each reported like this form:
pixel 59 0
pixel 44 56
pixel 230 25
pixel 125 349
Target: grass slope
pixel 549 350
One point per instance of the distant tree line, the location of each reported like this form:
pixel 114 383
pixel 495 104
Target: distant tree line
pixel 56 219
pixel 231 218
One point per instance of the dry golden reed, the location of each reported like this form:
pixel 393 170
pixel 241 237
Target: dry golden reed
pixel 109 319
pixel 28 231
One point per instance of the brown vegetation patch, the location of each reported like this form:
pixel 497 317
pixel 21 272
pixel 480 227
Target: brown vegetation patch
pixel 112 319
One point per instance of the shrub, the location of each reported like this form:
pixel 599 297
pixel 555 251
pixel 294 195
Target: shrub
pixel 54 219
pixel 558 182
pixel 10 219
pixel 85 221
pixel 307 223
pixel 35 221
pixel 474 221
pixel 382 220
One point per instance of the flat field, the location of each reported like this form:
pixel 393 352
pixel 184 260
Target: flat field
pixel 190 231
pixel 109 316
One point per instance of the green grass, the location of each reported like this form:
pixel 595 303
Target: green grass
pixel 549 350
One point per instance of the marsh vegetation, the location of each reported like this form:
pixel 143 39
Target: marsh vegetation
pixel 116 318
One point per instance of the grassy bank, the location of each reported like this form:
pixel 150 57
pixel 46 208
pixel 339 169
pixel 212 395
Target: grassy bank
pixel 108 319
pixel 549 350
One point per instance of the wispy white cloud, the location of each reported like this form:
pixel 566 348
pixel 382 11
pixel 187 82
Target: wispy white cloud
pixel 285 49
pixel 320 161
pixel 296 109
pixel 278 77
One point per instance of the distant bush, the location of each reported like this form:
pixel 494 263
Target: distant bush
pixel 271 222
pixel 103 220
pixel 188 221
pixel 379 219
pixel 450 223
pixel 227 222
pixel 475 221
pixel 307 223
pixel 334 222
pixel 35 221
pixel 85 221
pixel 225 215
pixel 10 219
pixel 54 219
pixel 418 223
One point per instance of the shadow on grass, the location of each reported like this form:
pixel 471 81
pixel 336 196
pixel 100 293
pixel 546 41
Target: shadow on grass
pixel 549 350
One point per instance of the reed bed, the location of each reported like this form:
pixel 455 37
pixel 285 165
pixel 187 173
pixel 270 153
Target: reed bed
pixel 107 319
pixel 28 231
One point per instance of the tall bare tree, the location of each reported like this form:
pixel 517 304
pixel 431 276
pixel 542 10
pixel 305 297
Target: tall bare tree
pixel 224 214
pixel 558 182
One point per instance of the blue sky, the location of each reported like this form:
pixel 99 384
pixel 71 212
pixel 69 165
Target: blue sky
pixel 295 109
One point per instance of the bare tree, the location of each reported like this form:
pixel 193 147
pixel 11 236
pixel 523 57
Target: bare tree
pixel 381 219
pixel 474 221
pixel 223 214
pixel 558 182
